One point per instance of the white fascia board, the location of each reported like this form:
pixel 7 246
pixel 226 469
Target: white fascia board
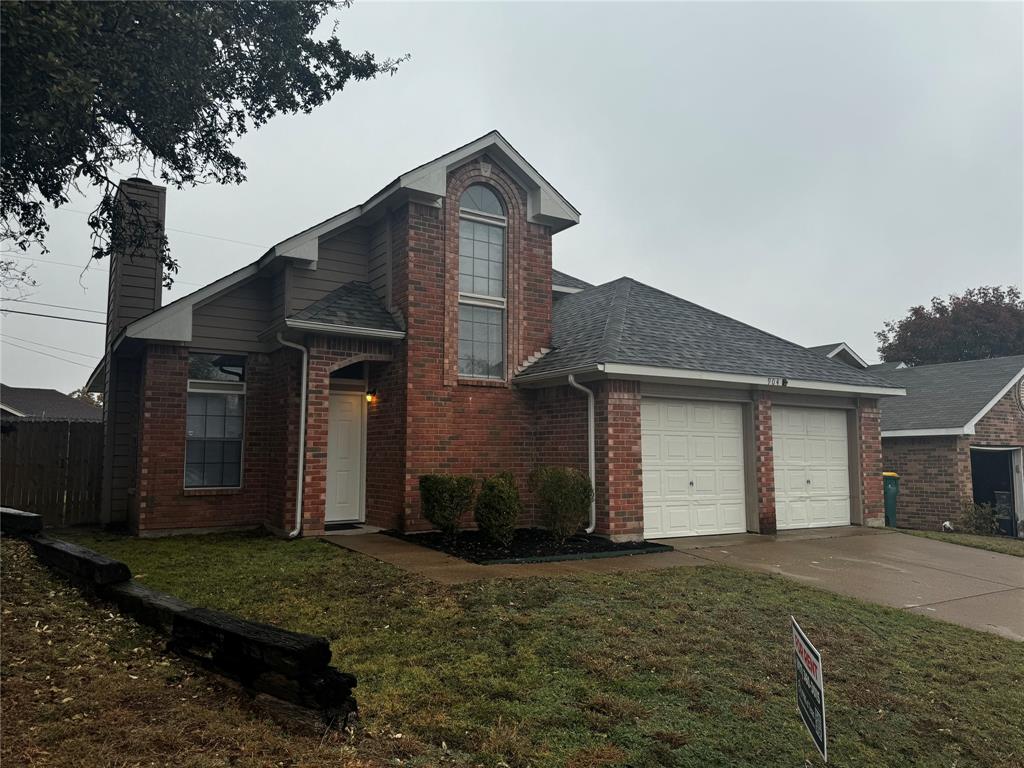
pixel 342 330
pixel 988 406
pixel 942 432
pixel 652 372
pixel 10 410
pixel 621 371
pixel 564 289
pixel 844 347
pixel 174 321
pixel 544 204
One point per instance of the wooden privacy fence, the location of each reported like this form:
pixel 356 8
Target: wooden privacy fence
pixel 52 468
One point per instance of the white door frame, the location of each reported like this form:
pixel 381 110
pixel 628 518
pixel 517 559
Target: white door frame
pixel 361 399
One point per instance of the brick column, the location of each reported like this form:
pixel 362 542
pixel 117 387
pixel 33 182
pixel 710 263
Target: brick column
pixel 326 354
pixel 869 438
pixel 619 481
pixel 764 463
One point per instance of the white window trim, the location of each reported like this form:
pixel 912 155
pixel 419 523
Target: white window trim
pixel 208 387
pixel 490 302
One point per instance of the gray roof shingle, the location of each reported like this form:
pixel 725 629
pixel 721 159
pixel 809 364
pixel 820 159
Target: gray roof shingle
pixel 627 322
pixel 354 305
pixel 48 404
pixel 946 395
pixel 568 281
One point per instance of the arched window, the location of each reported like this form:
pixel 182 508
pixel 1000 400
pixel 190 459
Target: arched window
pixel 482 225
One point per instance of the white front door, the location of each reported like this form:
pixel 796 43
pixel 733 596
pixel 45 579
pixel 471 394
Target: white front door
pixel 692 467
pixel 812 471
pixel 346 436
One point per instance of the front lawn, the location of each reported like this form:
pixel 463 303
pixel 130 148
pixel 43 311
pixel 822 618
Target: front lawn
pixel 683 667
pixel 1003 544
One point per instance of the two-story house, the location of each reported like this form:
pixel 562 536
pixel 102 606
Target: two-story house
pixel 426 331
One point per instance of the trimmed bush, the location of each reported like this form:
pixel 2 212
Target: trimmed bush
pixel 498 508
pixel 564 495
pixel 978 518
pixel 446 499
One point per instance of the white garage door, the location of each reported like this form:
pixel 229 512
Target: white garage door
pixel 692 467
pixel 812 474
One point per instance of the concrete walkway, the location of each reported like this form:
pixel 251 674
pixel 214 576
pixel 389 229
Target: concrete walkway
pixel 446 569
pixel 971 587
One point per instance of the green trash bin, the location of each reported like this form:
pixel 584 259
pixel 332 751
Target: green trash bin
pixel 891 487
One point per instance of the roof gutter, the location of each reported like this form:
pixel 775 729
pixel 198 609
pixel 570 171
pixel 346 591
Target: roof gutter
pixel 302 436
pixel 342 330
pixel 591 452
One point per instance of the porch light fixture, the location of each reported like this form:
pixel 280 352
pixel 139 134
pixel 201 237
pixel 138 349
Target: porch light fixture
pixel 371 395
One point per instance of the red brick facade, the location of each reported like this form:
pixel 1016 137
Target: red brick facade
pixel 764 463
pixel 425 418
pixel 869 443
pixel 935 472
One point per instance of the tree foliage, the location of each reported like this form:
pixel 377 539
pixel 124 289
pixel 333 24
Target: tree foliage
pixel 157 85
pixel 981 323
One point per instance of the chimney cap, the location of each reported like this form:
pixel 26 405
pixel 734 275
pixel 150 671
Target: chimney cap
pixel 138 180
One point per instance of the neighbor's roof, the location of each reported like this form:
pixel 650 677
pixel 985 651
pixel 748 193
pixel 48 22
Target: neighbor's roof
pixel 626 323
pixel 886 366
pixel 561 279
pixel 947 398
pixel 28 402
pixel 353 306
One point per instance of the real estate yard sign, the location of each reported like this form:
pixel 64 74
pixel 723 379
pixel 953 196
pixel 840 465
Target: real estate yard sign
pixel 810 688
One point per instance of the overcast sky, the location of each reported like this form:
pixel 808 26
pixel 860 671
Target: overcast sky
pixel 811 169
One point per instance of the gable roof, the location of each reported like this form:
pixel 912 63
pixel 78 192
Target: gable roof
pixel 29 402
pixel 353 308
pixel 842 351
pixel 426 182
pixel 627 328
pixel 886 366
pixel 947 398
pixel 561 281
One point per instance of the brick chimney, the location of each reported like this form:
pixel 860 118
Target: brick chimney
pixel 136 275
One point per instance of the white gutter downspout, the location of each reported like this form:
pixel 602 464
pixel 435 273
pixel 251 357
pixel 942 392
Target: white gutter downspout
pixel 302 437
pixel 591 460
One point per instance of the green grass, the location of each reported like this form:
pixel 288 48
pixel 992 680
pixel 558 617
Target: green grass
pixel 1003 544
pixel 684 667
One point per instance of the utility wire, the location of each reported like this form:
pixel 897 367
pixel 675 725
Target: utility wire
pixel 52 317
pixel 58 306
pixel 79 266
pixel 48 346
pixel 47 354
pixel 183 231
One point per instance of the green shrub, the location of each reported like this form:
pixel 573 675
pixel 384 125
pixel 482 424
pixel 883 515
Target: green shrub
pixel 446 499
pixel 978 518
pixel 564 495
pixel 498 508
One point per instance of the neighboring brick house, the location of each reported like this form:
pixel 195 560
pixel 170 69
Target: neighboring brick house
pixel 957 437
pixel 426 331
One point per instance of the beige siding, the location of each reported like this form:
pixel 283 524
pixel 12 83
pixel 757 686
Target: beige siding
pixel 234 320
pixel 134 281
pixel 380 262
pixel 342 259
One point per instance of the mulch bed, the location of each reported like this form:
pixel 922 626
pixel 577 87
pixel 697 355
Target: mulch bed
pixel 529 545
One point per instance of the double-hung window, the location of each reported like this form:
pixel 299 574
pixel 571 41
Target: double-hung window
pixel 215 418
pixel 482 225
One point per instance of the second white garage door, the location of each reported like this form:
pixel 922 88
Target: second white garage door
pixel 812 474
pixel 692 467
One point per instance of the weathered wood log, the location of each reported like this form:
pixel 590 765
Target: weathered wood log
pixel 148 606
pixel 231 640
pixel 15 522
pixel 78 562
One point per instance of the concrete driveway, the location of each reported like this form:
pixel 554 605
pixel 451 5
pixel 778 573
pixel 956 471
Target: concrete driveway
pixel 967 586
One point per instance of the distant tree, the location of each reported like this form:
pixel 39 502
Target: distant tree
pixel 162 85
pixel 93 398
pixel 981 323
